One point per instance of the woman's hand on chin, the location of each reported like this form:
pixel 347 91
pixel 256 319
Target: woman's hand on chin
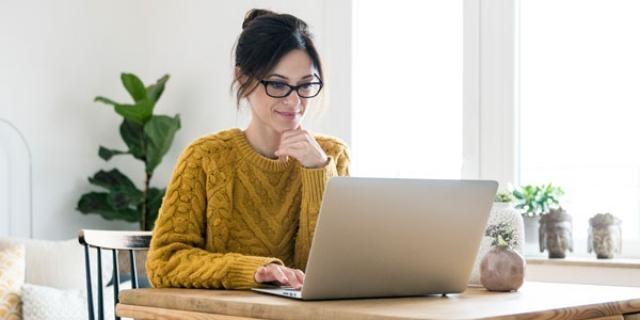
pixel 300 144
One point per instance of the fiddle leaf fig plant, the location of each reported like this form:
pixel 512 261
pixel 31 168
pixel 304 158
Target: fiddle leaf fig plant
pixel 537 200
pixel 148 138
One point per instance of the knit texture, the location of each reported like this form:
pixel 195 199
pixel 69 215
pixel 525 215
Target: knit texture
pixel 229 210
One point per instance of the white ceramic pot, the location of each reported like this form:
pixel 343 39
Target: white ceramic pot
pixel 531 231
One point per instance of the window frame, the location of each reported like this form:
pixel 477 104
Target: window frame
pixel 491 137
pixel 490 95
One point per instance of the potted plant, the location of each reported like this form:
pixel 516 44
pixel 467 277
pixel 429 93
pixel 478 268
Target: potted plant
pixel 148 137
pixel 503 197
pixel 534 201
pixel 502 268
pixel 502 212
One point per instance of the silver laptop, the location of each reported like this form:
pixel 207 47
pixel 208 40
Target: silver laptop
pixel 379 237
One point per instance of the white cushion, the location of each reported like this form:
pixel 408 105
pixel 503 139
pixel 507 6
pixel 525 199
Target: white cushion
pixel 59 264
pixel 46 303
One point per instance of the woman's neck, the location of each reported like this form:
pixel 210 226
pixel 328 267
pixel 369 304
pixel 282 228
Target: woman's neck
pixel 264 140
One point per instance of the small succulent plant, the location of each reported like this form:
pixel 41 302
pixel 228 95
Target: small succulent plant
pixel 503 197
pixel 502 235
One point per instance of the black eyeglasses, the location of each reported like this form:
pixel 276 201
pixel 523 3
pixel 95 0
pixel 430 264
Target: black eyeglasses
pixel 279 89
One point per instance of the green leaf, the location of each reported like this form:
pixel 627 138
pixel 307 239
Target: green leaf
pixel 537 199
pixel 139 113
pixel 133 135
pixel 132 112
pixel 97 202
pixel 112 180
pixel 119 203
pixel 141 110
pixel 105 101
pixel 106 154
pixel 518 194
pixel 155 90
pixel 123 199
pixel 159 131
pixel 502 242
pixel 134 86
pixel 503 197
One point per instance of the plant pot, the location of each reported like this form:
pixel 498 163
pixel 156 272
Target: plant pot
pixel 531 230
pixel 502 269
pixel 500 213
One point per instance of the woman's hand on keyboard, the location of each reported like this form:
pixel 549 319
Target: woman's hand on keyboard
pixel 280 275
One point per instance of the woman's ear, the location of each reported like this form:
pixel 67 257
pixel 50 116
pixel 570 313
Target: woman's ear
pixel 240 77
pixel 244 80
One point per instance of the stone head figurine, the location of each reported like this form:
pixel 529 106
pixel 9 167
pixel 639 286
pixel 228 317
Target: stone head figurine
pixel 605 235
pixel 556 233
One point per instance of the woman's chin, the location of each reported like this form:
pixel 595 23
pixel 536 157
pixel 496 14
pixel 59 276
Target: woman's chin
pixel 281 128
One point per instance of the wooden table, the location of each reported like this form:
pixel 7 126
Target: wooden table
pixel 535 300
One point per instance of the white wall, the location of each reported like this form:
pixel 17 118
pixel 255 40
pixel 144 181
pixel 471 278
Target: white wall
pixel 56 56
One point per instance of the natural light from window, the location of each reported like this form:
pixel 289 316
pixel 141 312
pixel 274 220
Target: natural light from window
pixel 407 89
pixel 580 107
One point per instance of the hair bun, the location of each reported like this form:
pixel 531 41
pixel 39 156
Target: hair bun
pixel 254 13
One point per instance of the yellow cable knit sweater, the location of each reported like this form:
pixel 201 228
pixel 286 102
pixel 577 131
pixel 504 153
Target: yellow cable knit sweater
pixel 229 210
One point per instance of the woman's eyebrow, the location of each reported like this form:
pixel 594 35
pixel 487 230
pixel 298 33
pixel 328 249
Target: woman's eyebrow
pixel 309 76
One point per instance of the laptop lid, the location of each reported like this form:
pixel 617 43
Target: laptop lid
pixel 378 237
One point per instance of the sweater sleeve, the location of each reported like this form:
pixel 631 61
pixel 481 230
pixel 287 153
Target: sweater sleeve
pixel 177 257
pixel 313 184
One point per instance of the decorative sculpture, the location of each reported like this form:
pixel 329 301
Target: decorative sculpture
pixel 605 235
pixel 556 234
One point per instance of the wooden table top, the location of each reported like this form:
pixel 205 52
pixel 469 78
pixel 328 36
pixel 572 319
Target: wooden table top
pixel 535 300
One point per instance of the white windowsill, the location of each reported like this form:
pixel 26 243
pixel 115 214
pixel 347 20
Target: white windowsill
pixel 586 262
pixel 584 270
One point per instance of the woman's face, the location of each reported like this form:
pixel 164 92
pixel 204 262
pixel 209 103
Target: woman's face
pixel 282 114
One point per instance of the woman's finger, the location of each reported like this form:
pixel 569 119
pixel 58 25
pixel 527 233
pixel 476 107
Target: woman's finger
pixel 290 133
pixel 280 275
pixel 293 138
pixel 293 279
pixel 261 275
pixel 296 154
pixel 283 158
pixel 299 275
pixel 295 144
pixel 265 274
pixel 292 151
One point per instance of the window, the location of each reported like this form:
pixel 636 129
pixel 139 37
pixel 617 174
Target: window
pixel 407 89
pixel 580 108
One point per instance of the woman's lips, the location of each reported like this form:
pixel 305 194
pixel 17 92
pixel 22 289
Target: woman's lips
pixel 287 115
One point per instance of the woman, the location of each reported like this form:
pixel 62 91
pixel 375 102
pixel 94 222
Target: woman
pixel 241 206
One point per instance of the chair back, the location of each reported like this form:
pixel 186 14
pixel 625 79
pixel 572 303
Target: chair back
pixel 113 241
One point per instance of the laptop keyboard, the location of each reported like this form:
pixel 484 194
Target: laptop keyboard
pixel 290 288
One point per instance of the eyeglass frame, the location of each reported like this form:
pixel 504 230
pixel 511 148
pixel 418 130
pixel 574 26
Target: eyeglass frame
pixel 291 88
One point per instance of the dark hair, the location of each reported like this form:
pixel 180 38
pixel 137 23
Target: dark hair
pixel 266 37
